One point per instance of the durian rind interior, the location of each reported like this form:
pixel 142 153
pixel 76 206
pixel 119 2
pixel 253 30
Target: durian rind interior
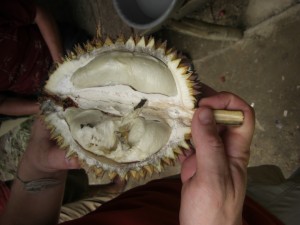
pixel 132 103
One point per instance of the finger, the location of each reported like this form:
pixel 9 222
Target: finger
pixel 188 168
pixel 57 160
pixel 210 155
pixel 240 136
pixel 39 129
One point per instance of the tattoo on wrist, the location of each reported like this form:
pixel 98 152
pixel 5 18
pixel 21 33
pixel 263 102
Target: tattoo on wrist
pixel 39 184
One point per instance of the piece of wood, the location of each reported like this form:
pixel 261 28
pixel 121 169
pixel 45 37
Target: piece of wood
pixel 229 117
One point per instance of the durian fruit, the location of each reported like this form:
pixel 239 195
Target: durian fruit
pixel 124 107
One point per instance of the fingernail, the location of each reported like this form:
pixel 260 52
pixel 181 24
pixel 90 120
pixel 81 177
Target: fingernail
pixel 206 116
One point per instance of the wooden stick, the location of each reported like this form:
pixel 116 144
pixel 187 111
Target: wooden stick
pixel 229 117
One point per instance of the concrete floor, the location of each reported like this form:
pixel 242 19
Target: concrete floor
pixel 263 67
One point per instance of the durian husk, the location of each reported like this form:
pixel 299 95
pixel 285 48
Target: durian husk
pixel 158 161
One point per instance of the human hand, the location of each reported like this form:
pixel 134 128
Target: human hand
pixel 43 155
pixel 40 179
pixel 214 178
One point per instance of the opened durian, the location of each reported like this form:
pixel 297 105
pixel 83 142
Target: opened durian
pixel 122 107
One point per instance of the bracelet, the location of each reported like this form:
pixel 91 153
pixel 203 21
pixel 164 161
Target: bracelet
pixel 39 184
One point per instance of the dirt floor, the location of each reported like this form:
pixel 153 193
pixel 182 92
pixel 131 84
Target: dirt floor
pixel 262 67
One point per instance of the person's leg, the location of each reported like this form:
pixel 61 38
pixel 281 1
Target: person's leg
pixel 281 197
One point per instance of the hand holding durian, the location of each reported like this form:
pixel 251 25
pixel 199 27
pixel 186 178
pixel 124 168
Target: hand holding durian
pixel 214 178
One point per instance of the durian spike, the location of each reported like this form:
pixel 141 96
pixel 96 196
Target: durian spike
pixel 88 47
pixel 69 154
pixel 134 174
pixel 98 31
pixel 98 171
pixel 151 43
pixel 142 173
pixel 97 42
pixel 112 175
pixel 120 40
pixel 158 167
pixel 141 43
pixel 167 161
pixel 130 44
pixel 177 151
pixel 162 47
pixel 108 42
pixel 149 169
pixel 79 50
pixel 125 177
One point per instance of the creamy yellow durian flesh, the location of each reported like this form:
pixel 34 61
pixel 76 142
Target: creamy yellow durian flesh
pixel 122 107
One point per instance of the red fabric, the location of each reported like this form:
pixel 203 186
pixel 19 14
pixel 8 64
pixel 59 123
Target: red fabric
pixel 4 195
pixel 24 56
pixel 158 203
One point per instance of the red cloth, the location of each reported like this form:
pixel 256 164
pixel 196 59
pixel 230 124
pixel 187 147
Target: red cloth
pixel 158 203
pixel 4 195
pixel 24 56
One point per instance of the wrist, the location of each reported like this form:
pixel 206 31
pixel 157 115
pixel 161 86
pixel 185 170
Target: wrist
pixel 29 170
pixel 34 180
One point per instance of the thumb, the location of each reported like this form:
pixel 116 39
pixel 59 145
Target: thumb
pixel 57 160
pixel 210 154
